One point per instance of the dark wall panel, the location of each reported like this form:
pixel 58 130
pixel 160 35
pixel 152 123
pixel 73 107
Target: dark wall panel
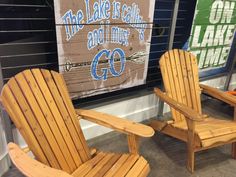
pixel 28 38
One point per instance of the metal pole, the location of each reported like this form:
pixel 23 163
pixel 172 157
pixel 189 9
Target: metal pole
pixel 171 41
pixel 7 128
pixel 231 71
pixel 229 75
pixel 3 115
pixel 173 25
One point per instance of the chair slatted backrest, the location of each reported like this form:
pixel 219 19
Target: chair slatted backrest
pixel 181 80
pixel 39 105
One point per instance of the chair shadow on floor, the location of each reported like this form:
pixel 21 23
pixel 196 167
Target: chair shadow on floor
pixel 175 150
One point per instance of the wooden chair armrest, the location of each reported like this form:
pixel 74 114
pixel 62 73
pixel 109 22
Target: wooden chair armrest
pixel 218 94
pixel 31 167
pixel 116 123
pixel 183 109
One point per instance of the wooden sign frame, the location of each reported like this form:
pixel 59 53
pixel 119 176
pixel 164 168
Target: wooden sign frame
pixel 103 45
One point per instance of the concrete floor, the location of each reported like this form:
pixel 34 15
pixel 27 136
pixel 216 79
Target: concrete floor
pixel 167 156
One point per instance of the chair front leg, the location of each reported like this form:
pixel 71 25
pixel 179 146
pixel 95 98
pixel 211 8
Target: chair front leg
pixel 133 143
pixel 191 145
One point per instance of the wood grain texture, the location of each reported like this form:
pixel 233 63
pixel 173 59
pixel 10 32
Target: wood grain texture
pixel 183 109
pixel 210 127
pixel 76 49
pixel 181 80
pixel 44 111
pixel 122 125
pixel 31 167
pixel 133 143
pixel 87 166
pixel 137 169
pixel 125 168
pixel 218 94
pixel 190 145
pixel 61 85
pixel 112 171
pixel 111 164
pixel 21 123
pixel 39 104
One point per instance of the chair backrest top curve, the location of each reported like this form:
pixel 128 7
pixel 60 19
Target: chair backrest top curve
pixel 38 103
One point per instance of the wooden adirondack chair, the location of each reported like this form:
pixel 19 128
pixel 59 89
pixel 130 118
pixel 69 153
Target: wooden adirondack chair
pixel 180 75
pixel 40 107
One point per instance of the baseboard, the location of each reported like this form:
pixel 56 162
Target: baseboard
pixel 4 164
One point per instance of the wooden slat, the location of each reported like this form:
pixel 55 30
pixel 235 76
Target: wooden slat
pixel 100 165
pixel 145 171
pixel 39 117
pixel 180 78
pixel 138 167
pixel 191 82
pixel 56 114
pixel 50 119
pixel 172 84
pixel 20 122
pixel 31 167
pixel 185 79
pixel 166 82
pixel 66 98
pixel 176 79
pixel 40 127
pixel 211 132
pixel 112 171
pixel 196 81
pixel 210 128
pixel 220 139
pixel 60 140
pixel 107 166
pixel 124 169
pixel 66 117
pixel 41 100
pixel 113 165
pixel 87 166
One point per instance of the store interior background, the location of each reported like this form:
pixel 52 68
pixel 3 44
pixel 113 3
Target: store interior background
pixel 141 105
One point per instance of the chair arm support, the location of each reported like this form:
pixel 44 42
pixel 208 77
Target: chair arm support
pixel 191 116
pixel 31 167
pixel 183 109
pixel 218 94
pixel 116 123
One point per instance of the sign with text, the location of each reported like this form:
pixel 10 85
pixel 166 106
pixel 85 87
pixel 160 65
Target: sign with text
pixel 103 45
pixel 213 32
